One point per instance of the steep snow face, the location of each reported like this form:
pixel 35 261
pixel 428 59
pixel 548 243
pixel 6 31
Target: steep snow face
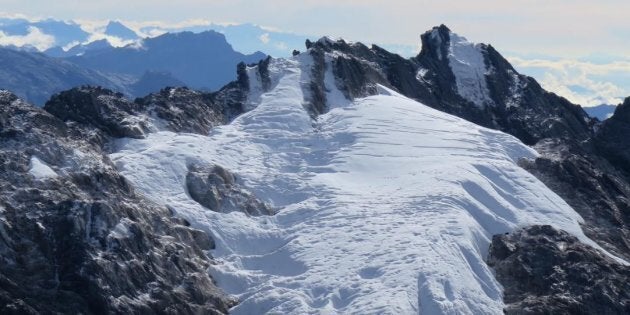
pixel 467 63
pixel 385 205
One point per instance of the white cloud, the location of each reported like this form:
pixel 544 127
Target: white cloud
pixel 152 32
pixel 70 45
pixel 35 38
pixel 584 83
pixel 6 15
pixel 113 40
pixel 264 38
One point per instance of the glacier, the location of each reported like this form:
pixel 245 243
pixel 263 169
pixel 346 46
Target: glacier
pixel 384 205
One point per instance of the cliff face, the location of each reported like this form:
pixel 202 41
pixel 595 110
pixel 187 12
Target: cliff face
pixel 546 271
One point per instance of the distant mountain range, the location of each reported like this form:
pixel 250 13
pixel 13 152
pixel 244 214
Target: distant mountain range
pixel 205 61
pixel 68 37
pixel 35 76
pixel 62 33
pixel 200 60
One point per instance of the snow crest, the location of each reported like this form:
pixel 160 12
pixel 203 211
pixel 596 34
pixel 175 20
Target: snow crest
pixel 385 205
pixel 467 63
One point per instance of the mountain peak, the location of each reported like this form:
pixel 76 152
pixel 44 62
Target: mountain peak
pixel 466 60
pixel 435 42
pixel 117 29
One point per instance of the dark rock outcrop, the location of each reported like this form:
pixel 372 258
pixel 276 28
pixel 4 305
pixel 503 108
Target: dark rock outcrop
pixel 174 109
pixel 99 108
pixel 317 97
pixel 547 271
pixel 233 96
pixel 613 137
pixel 184 110
pixel 592 187
pixel 263 71
pixel 218 190
pixel 76 238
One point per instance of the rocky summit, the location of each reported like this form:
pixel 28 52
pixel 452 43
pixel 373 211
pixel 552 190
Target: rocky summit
pixel 344 179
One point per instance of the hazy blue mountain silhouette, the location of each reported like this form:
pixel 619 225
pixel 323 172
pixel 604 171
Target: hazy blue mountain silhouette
pixel 200 60
pixel 117 29
pixel 64 32
pixel 35 76
pixel 153 81
pixel 58 52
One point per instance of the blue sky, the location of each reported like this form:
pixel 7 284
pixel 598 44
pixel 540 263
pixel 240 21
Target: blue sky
pixel 579 49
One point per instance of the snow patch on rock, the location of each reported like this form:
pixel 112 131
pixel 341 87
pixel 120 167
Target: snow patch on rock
pixel 41 170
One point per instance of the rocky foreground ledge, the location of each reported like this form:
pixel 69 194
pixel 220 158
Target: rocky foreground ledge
pixel 547 271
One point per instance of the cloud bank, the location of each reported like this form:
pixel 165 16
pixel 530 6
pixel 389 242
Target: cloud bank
pixel 582 82
pixel 34 38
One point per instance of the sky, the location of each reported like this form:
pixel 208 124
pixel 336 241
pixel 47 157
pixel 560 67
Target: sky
pixel 577 48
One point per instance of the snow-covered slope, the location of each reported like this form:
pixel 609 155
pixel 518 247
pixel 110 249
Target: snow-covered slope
pixel 384 205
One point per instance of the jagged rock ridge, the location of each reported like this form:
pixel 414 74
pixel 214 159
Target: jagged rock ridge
pixel 513 103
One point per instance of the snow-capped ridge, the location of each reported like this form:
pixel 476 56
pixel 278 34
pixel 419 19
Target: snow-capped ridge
pixel 385 205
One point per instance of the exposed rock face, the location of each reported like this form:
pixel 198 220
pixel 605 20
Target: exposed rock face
pixel 233 96
pixel 317 104
pixel 184 110
pixel 218 190
pixel 591 186
pixel 612 139
pixel 547 271
pixel 75 238
pixel 99 108
pixel 263 70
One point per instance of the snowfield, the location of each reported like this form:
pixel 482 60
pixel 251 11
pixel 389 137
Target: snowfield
pixel 384 204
